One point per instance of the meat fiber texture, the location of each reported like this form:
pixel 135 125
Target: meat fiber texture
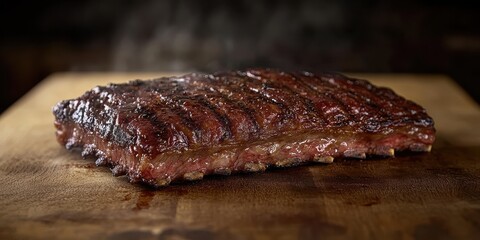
pixel 183 128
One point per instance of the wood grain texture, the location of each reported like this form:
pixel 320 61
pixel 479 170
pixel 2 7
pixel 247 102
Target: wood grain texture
pixel 47 192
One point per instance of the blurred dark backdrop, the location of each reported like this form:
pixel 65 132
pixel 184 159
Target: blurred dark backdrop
pixel 42 37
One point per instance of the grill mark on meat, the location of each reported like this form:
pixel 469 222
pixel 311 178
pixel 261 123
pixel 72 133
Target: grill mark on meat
pixel 359 101
pixel 236 103
pixel 283 93
pixel 190 123
pixel 165 100
pixel 233 100
pixel 103 115
pixel 339 118
pixel 364 112
pixel 186 120
pixel 253 100
pixel 186 127
pixel 340 97
pixel 225 122
pixel 211 99
pixel 160 128
pixel 376 107
pixel 294 96
pixel 194 112
pixel 294 81
pixel 192 103
pixel 225 109
pixel 261 89
pixel 179 136
pixel 349 103
pixel 164 121
pixel 247 111
pixel 238 114
pixel 397 104
pixel 373 93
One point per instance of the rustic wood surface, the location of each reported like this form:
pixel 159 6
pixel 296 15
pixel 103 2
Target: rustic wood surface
pixel 47 192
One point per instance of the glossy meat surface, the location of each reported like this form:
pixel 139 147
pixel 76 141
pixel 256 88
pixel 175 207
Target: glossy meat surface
pixel 185 127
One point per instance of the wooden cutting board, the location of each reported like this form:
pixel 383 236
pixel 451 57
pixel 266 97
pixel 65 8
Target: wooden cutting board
pixel 48 192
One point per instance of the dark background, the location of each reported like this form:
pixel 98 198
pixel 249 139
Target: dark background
pixel 42 37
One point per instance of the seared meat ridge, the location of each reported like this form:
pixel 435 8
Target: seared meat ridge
pixel 185 127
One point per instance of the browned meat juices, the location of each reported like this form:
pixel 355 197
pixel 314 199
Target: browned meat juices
pixel 182 128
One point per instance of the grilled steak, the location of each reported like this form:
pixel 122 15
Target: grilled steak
pixel 182 128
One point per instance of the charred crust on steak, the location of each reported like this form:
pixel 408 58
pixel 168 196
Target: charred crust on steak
pixel 186 127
